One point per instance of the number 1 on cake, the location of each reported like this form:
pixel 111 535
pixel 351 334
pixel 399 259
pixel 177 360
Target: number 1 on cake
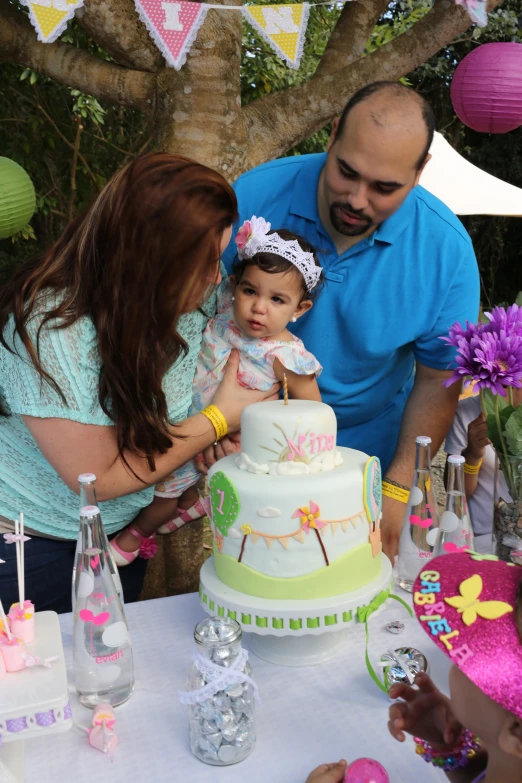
pixel 221 494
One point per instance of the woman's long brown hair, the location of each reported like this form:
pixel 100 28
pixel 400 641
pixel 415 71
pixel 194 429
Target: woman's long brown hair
pixel 141 256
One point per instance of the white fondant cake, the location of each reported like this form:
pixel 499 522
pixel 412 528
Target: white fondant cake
pixel 293 516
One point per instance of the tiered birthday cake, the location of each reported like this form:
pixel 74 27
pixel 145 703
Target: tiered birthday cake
pixel 293 516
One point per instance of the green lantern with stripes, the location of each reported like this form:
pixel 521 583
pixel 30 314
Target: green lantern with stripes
pixel 17 198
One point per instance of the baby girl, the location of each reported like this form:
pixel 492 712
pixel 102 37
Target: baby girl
pixel 274 281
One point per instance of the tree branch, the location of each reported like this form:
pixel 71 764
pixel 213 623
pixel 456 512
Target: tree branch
pixel 71 66
pixel 117 28
pixel 350 35
pixel 277 122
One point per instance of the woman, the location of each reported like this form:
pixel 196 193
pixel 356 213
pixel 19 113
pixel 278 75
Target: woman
pixel 99 340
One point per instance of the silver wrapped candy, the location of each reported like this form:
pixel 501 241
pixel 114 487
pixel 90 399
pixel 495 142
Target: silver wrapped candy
pixel 221 708
pixel 396 626
pixel 402 665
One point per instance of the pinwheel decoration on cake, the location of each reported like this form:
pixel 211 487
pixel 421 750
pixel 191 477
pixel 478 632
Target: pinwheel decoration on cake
pixel 310 517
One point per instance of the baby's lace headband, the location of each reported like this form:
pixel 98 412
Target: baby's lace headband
pixel 253 238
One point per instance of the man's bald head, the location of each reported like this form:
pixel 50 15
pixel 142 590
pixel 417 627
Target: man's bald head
pixel 393 107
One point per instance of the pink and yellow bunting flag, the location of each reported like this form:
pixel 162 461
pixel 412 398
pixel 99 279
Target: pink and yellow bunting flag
pixel 283 27
pixel 172 26
pixel 49 17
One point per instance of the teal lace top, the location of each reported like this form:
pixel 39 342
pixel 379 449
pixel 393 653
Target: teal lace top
pixel 28 483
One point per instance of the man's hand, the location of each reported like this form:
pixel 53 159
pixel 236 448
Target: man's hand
pixel 328 773
pixel 391 526
pixel 230 444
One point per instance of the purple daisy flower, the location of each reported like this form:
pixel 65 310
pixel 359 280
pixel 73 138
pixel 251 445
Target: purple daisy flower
pixel 492 361
pixel 458 333
pixel 508 321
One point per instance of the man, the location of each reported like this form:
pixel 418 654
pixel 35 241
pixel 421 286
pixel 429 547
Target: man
pixel 399 269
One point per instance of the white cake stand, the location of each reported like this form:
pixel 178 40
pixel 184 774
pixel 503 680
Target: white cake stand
pixel 34 701
pixel 291 633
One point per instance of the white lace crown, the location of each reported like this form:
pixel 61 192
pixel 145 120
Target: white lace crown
pixel 253 238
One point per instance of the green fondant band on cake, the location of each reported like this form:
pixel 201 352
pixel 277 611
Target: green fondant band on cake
pixel 354 570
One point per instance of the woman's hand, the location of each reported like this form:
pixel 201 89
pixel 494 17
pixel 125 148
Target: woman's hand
pixel 328 773
pixel 231 398
pixel 424 713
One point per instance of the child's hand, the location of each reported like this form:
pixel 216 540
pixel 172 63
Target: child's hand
pixel 477 437
pixel 425 713
pixel 328 773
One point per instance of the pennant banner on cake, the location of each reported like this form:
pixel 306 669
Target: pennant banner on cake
pixel 173 26
pixel 283 27
pixel 49 17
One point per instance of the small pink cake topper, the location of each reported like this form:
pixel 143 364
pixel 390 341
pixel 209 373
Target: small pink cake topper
pixel 466 603
pixel 102 735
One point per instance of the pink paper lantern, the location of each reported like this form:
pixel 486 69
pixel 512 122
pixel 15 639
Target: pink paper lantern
pixel 486 90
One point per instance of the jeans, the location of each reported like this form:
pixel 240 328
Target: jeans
pixel 48 574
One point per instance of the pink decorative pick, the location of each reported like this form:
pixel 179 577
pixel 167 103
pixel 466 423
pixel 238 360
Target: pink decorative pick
pixel 366 771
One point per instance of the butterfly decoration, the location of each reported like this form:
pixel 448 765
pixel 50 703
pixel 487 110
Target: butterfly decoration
pixel 35 660
pixel 12 538
pixel 96 619
pixel 469 605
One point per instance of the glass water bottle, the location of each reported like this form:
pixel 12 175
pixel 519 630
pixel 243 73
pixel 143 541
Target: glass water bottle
pixel 456 533
pixel 87 482
pixel 102 653
pixel 420 524
pixel 221 724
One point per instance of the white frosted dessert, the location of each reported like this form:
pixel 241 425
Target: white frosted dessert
pixel 293 516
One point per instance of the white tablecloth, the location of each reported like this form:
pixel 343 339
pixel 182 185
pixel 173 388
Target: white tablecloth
pixel 308 715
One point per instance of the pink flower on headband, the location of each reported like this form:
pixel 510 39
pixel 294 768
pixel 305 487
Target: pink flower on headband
pixel 243 234
pixel 251 236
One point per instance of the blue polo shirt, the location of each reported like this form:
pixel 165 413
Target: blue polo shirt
pixel 385 303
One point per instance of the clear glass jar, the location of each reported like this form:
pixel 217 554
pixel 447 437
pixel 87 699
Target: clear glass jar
pixel 221 722
pixel 507 508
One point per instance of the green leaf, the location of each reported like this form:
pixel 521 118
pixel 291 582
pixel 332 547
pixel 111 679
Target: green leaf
pixel 33 78
pixel 513 432
pixel 488 401
pixel 493 433
pixel 518 300
pixel 25 74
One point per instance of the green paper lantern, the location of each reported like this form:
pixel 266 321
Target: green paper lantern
pixel 17 198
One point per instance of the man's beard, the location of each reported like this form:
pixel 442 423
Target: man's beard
pixel 345 228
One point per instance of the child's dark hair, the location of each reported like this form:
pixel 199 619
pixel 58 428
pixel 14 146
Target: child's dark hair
pixel 272 263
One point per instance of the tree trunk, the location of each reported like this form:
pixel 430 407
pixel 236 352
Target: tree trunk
pixel 198 109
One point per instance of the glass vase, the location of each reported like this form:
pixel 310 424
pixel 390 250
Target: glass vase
pixel 507 508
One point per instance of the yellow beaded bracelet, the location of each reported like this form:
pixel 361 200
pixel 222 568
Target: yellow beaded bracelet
pixel 217 420
pixel 472 470
pixel 396 493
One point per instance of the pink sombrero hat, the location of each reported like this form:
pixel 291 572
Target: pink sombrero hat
pixel 466 603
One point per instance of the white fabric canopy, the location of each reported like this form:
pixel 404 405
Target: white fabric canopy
pixel 466 189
